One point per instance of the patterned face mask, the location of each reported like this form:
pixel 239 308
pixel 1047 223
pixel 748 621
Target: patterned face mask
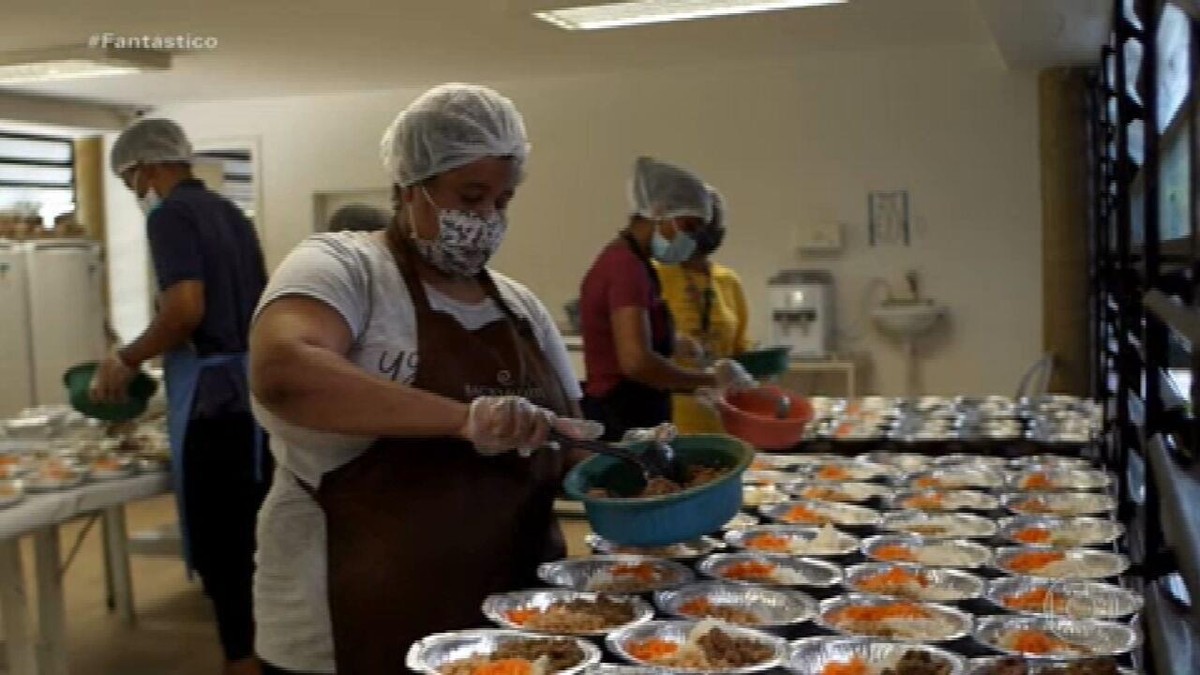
pixel 465 241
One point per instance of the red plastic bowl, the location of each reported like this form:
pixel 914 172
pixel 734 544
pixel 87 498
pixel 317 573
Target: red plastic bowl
pixel 750 416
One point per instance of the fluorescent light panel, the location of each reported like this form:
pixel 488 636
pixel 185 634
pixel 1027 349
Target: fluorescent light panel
pixel 69 63
pixel 643 12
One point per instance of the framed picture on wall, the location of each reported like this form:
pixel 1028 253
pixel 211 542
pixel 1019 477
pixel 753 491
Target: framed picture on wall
pixel 888 222
pixel 233 168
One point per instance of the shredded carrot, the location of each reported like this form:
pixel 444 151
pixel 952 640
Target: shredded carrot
pixel 1032 535
pixel 1036 505
pixel 53 472
pixel 833 472
pixel 826 493
pixel 641 571
pixel 750 570
pixel 803 514
pixel 895 553
pixel 855 666
pixel 770 543
pixel 893 578
pixel 1035 600
pixel 1031 561
pixel 1036 642
pixel 929 502
pixel 504 667
pixel 653 650
pixel 698 607
pixel 521 616
pixel 897 610
pixel 927 483
pixel 1038 481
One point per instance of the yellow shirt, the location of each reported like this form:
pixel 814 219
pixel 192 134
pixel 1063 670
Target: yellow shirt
pixel 684 292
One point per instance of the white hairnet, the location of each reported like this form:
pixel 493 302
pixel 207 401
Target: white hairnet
pixel 150 141
pixel 660 190
pixel 450 126
pixel 718 209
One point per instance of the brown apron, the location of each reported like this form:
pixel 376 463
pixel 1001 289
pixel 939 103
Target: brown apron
pixel 421 530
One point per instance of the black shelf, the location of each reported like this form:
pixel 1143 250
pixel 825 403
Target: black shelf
pixel 1179 509
pixel 1182 320
pixel 1172 638
pixel 1145 318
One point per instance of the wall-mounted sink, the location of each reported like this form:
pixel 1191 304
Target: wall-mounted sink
pixel 908 320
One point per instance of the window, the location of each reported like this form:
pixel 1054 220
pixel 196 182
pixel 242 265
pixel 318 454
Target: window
pixel 1133 69
pixel 1135 138
pixel 1174 40
pixel 37 176
pixel 1174 186
pixel 1130 13
pixel 236 169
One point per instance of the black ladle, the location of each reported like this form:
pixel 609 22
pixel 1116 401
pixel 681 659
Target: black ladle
pixel 658 460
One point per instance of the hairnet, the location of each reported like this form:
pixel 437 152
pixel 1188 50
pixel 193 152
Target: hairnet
pixel 450 126
pixel 150 141
pixel 359 218
pixel 660 190
pixel 711 234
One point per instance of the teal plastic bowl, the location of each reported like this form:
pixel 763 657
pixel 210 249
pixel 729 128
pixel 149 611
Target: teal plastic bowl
pixel 763 363
pixel 670 519
pixel 78 381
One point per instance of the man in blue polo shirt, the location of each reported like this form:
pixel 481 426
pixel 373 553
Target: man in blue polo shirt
pixel 210 274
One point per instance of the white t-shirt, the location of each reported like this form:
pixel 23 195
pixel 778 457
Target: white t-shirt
pixel 354 273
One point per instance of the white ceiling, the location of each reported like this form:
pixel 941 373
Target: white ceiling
pixel 1038 33
pixel 282 47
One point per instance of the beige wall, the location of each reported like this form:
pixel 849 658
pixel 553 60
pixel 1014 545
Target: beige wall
pixel 788 143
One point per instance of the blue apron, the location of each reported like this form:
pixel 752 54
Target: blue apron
pixel 181 370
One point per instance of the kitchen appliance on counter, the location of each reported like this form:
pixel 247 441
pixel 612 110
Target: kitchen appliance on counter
pixel 801 306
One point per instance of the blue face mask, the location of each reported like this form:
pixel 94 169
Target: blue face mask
pixel 673 251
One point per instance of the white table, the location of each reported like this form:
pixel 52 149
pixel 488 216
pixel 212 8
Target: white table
pixel 41 514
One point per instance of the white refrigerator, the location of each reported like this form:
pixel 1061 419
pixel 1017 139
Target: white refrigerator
pixel 51 318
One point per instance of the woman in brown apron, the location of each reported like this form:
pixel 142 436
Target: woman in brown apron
pixel 442 510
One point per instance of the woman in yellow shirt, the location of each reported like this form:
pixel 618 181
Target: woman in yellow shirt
pixel 709 307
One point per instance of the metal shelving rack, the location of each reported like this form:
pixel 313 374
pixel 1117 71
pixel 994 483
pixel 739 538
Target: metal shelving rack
pixel 1145 131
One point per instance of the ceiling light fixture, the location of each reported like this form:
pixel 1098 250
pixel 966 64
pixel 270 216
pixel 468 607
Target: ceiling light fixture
pixel 643 12
pixel 68 63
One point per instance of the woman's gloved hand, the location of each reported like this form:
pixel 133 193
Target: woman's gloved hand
pixel 499 424
pixel 580 430
pixel 663 433
pixel 731 376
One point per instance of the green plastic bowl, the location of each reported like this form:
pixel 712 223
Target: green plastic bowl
pixel 79 383
pixel 670 519
pixel 769 362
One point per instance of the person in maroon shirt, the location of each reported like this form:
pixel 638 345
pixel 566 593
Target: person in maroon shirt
pixel 628 333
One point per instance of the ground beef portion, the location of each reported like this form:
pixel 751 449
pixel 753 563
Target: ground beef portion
pixel 919 663
pixel 659 487
pixel 726 651
pixel 562 654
